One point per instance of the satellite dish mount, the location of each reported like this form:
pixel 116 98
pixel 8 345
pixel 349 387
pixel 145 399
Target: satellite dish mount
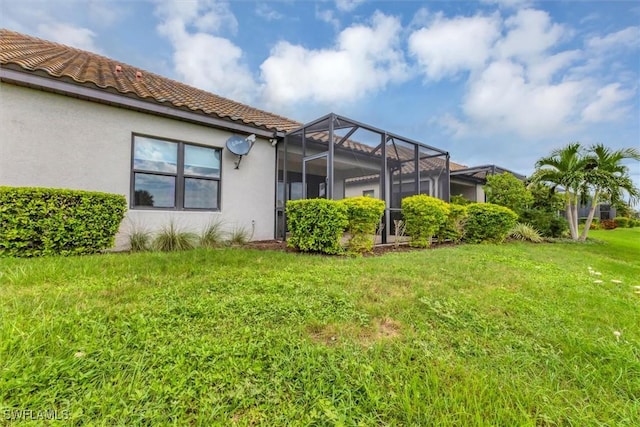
pixel 240 146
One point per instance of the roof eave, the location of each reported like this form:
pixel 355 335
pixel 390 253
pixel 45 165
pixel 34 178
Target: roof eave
pixel 30 79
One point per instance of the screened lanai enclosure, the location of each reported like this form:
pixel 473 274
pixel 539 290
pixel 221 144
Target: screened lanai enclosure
pixel 335 157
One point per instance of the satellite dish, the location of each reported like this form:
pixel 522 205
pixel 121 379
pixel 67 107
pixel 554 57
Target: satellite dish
pixel 240 146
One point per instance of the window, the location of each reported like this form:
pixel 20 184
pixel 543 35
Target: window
pixel 368 193
pixel 174 175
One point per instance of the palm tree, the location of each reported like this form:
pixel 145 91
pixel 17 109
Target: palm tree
pixel 608 178
pixel 596 174
pixel 564 168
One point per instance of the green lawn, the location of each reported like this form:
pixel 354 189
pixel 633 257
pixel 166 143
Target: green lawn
pixel 506 335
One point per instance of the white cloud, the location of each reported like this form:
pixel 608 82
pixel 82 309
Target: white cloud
pixel 103 13
pixel 530 34
pixel 521 81
pixel 71 22
pixel 348 5
pixel 502 100
pixel 329 17
pixel 81 38
pixel 203 15
pixel 609 104
pixel 513 4
pixel 266 12
pixel 365 59
pixel 202 59
pixel 449 46
pixel 214 64
pixel 545 68
pixel 628 37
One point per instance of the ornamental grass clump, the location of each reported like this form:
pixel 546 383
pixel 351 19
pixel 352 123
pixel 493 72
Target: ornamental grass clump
pixel 139 240
pixel 525 232
pixel 363 216
pixel 173 238
pixel 423 216
pixel 213 235
pixel 239 236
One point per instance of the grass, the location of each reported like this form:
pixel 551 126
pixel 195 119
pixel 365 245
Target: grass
pixel 512 334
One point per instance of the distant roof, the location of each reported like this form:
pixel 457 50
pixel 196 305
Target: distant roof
pixel 481 172
pixel 32 54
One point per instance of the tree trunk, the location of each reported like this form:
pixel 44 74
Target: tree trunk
pixel 569 210
pixel 592 211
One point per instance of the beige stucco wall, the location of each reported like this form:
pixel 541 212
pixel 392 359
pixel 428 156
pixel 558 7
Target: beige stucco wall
pixel 51 140
pixel 355 189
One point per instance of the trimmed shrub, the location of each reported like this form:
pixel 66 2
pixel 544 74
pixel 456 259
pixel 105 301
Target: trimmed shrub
pixel 453 228
pixel 363 215
pixel 423 216
pixel 316 225
pixel 38 221
pixel 525 232
pixel 608 224
pixel 548 223
pixel 487 222
pixel 622 222
pixel 459 199
pixel 559 227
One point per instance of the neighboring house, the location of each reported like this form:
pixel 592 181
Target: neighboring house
pixel 468 182
pixel 603 211
pixel 75 119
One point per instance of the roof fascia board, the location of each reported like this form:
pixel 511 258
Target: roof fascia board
pixel 487 168
pixel 104 97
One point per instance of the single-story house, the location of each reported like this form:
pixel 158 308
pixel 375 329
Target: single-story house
pixel 74 119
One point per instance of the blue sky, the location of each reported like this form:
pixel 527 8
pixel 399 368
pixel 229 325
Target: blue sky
pixel 493 82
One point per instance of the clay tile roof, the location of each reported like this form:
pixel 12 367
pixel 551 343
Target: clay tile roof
pixel 86 68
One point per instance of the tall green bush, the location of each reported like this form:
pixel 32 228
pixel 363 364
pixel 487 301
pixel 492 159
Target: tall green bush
pixel 453 228
pixel 508 191
pixel 363 215
pixel 487 222
pixel 547 222
pixel 423 216
pixel 316 225
pixel 622 221
pixel 49 221
pixel 459 199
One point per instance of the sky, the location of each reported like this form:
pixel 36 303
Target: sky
pixel 493 82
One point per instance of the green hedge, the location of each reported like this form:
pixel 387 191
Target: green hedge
pixel 623 222
pixel 50 221
pixel 548 223
pixel 423 216
pixel 487 222
pixel 316 225
pixel 363 215
pixel 453 228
